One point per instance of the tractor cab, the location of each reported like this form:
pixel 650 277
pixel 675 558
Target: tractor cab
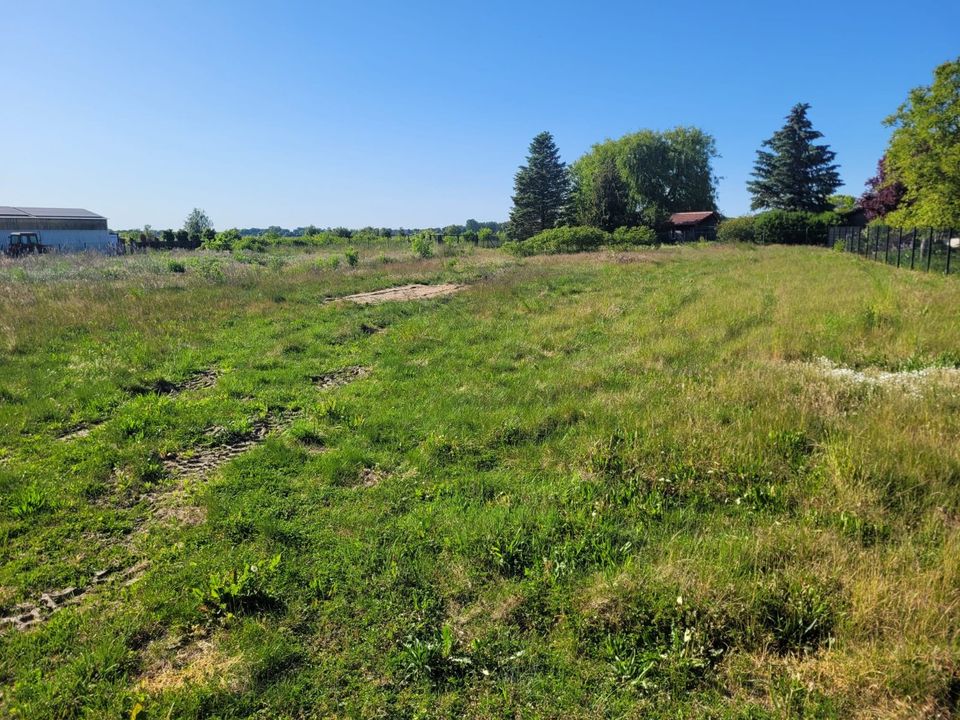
pixel 24 243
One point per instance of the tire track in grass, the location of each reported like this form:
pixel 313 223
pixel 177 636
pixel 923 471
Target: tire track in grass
pixel 200 380
pixel 28 615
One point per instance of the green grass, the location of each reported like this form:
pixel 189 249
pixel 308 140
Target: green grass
pixel 604 485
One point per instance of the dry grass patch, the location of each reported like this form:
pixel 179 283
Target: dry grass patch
pixel 173 664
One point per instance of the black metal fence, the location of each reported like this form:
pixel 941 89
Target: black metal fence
pixel 927 249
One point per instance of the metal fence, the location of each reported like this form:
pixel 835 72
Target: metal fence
pixel 927 249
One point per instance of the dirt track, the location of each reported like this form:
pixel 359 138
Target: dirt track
pixel 403 292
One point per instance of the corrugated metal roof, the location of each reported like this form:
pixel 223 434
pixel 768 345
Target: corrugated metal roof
pixel 690 218
pixel 46 212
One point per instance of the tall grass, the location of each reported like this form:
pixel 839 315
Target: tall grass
pixel 611 484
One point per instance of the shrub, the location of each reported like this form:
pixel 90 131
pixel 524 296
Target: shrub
pixel 226 240
pixel 563 240
pixel 209 267
pixel 634 236
pixel 794 228
pixel 253 587
pixel 798 615
pixel 176 266
pixel 738 229
pixel 250 242
pixel 422 245
pixel 351 257
pixel 31 501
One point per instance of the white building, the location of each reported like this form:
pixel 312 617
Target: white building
pixel 60 229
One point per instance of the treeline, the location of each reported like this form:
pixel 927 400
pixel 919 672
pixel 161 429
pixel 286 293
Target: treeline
pixel 917 182
pixel 198 232
pixel 636 181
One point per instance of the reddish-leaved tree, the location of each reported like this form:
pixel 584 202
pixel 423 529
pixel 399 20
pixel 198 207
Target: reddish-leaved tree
pixel 883 194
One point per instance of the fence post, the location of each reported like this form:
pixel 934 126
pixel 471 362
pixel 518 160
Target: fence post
pixel 913 246
pixel 929 249
pixel 886 252
pixel 949 249
pixel 876 242
pixel 899 242
pixel 858 241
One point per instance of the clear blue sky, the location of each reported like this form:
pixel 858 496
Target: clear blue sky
pixel 418 114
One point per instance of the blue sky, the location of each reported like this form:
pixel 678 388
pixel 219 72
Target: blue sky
pixel 418 114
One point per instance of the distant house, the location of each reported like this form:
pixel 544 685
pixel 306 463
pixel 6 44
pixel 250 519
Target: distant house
pixel 64 229
pixel 687 226
pixel 855 217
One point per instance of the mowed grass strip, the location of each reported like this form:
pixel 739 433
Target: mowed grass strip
pixel 598 485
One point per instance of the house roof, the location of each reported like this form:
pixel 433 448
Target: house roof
pixel 690 218
pixel 48 213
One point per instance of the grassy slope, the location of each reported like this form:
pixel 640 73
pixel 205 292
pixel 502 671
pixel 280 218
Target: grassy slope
pixel 589 486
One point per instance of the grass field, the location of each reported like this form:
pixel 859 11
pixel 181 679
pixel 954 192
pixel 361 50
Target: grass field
pixel 602 485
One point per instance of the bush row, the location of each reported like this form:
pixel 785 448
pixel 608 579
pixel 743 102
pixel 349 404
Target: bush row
pixel 581 239
pixel 779 226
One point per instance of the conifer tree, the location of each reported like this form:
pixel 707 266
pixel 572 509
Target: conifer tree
pixel 795 173
pixel 541 189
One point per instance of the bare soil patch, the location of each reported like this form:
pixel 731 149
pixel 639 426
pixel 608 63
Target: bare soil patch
pixel 404 292
pixel 339 377
pixel 198 381
pixel 371 477
pixel 80 431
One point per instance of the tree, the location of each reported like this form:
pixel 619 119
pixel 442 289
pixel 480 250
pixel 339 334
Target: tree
pixel 795 174
pixel 883 194
pixel 842 203
pixel 924 151
pixel 661 173
pixel 608 206
pixel 541 189
pixel 197 221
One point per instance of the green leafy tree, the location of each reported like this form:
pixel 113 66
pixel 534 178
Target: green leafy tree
pixel 661 173
pixel 794 173
pixel 197 221
pixel 541 189
pixel 842 203
pixel 608 205
pixel 924 152
pixel 226 240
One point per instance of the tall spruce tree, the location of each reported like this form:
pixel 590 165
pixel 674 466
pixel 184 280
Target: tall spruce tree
pixel 794 174
pixel 541 189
